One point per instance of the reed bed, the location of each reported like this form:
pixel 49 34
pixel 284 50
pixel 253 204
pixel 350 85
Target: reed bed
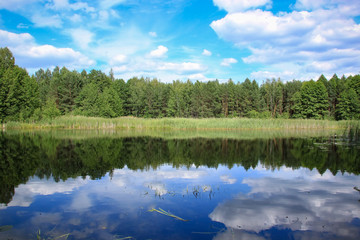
pixel 81 122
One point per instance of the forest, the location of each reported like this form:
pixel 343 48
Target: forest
pixel 51 93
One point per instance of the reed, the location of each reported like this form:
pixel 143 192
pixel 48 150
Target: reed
pixel 81 122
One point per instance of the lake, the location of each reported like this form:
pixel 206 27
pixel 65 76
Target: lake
pixel 106 185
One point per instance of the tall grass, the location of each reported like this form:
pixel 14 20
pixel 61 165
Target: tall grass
pixel 80 122
pixel 239 134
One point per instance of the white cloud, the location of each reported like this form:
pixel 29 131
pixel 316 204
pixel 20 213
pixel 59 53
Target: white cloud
pixel 226 62
pixel 10 39
pixel 159 52
pixel 65 5
pixel 47 21
pixel 30 55
pixel 240 5
pixel 198 77
pixel 152 34
pixel 103 16
pixel 76 18
pixel 119 59
pixel 325 36
pixel 59 4
pixel 81 37
pixel 16 4
pixel 206 53
pixel 182 68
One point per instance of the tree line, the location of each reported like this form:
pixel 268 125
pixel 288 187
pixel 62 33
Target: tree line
pixel 51 93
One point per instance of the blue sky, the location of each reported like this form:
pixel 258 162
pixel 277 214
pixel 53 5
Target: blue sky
pixel 186 39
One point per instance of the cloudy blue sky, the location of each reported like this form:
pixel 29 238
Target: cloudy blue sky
pixel 186 39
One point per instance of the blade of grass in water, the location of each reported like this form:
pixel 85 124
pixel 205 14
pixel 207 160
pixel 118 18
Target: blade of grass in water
pixel 5 228
pixel 161 211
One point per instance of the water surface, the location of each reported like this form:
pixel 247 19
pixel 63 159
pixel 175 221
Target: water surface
pixel 103 186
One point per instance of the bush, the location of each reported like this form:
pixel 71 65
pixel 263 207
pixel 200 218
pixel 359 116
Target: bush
pixel 253 114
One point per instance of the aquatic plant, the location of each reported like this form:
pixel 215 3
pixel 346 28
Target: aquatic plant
pixel 39 237
pixel 161 211
pixel 5 228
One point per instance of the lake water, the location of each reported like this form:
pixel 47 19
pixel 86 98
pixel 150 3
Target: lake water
pixel 58 185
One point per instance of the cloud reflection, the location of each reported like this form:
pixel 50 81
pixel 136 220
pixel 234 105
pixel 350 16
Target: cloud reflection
pixel 308 203
pixel 25 193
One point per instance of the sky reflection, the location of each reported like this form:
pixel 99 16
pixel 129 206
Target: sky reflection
pixel 253 204
pixel 303 201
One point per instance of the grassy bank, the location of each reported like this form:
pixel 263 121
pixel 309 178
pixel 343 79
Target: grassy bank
pixel 80 122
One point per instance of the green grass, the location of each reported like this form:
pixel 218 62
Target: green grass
pixel 80 122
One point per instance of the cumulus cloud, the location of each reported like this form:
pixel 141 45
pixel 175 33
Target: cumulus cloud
pixel 81 37
pixel 226 62
pixel 182 68
pixel 159 52
pixel 119 59
pixel 28 54
pixel 206 53
pixel 240 5
pixel 198 77
pixel 316 33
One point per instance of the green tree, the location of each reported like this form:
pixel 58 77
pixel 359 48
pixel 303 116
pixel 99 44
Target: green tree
pixel 137 94
pixel 272 91
pixel 50 110
pixel 290 89
pixel 348 106
pixel 43 79
pixel 314 100
pixel 68 88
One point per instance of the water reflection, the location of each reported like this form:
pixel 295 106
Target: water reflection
pixel 102 188
pixel 307 203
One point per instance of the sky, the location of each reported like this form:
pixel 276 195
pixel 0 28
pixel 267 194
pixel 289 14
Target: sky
pixel 186 39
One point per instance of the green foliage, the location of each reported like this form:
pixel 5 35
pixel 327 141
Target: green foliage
pixel 272 92
pixel 50 110
pixel 7 60
pixel 95 94
pixel 253 114
pixel 348 106
pixel 314 103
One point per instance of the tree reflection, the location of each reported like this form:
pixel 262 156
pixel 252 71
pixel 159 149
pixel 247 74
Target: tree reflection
pixel 25 155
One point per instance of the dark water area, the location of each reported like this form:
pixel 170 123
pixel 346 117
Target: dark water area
pixel 110 187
